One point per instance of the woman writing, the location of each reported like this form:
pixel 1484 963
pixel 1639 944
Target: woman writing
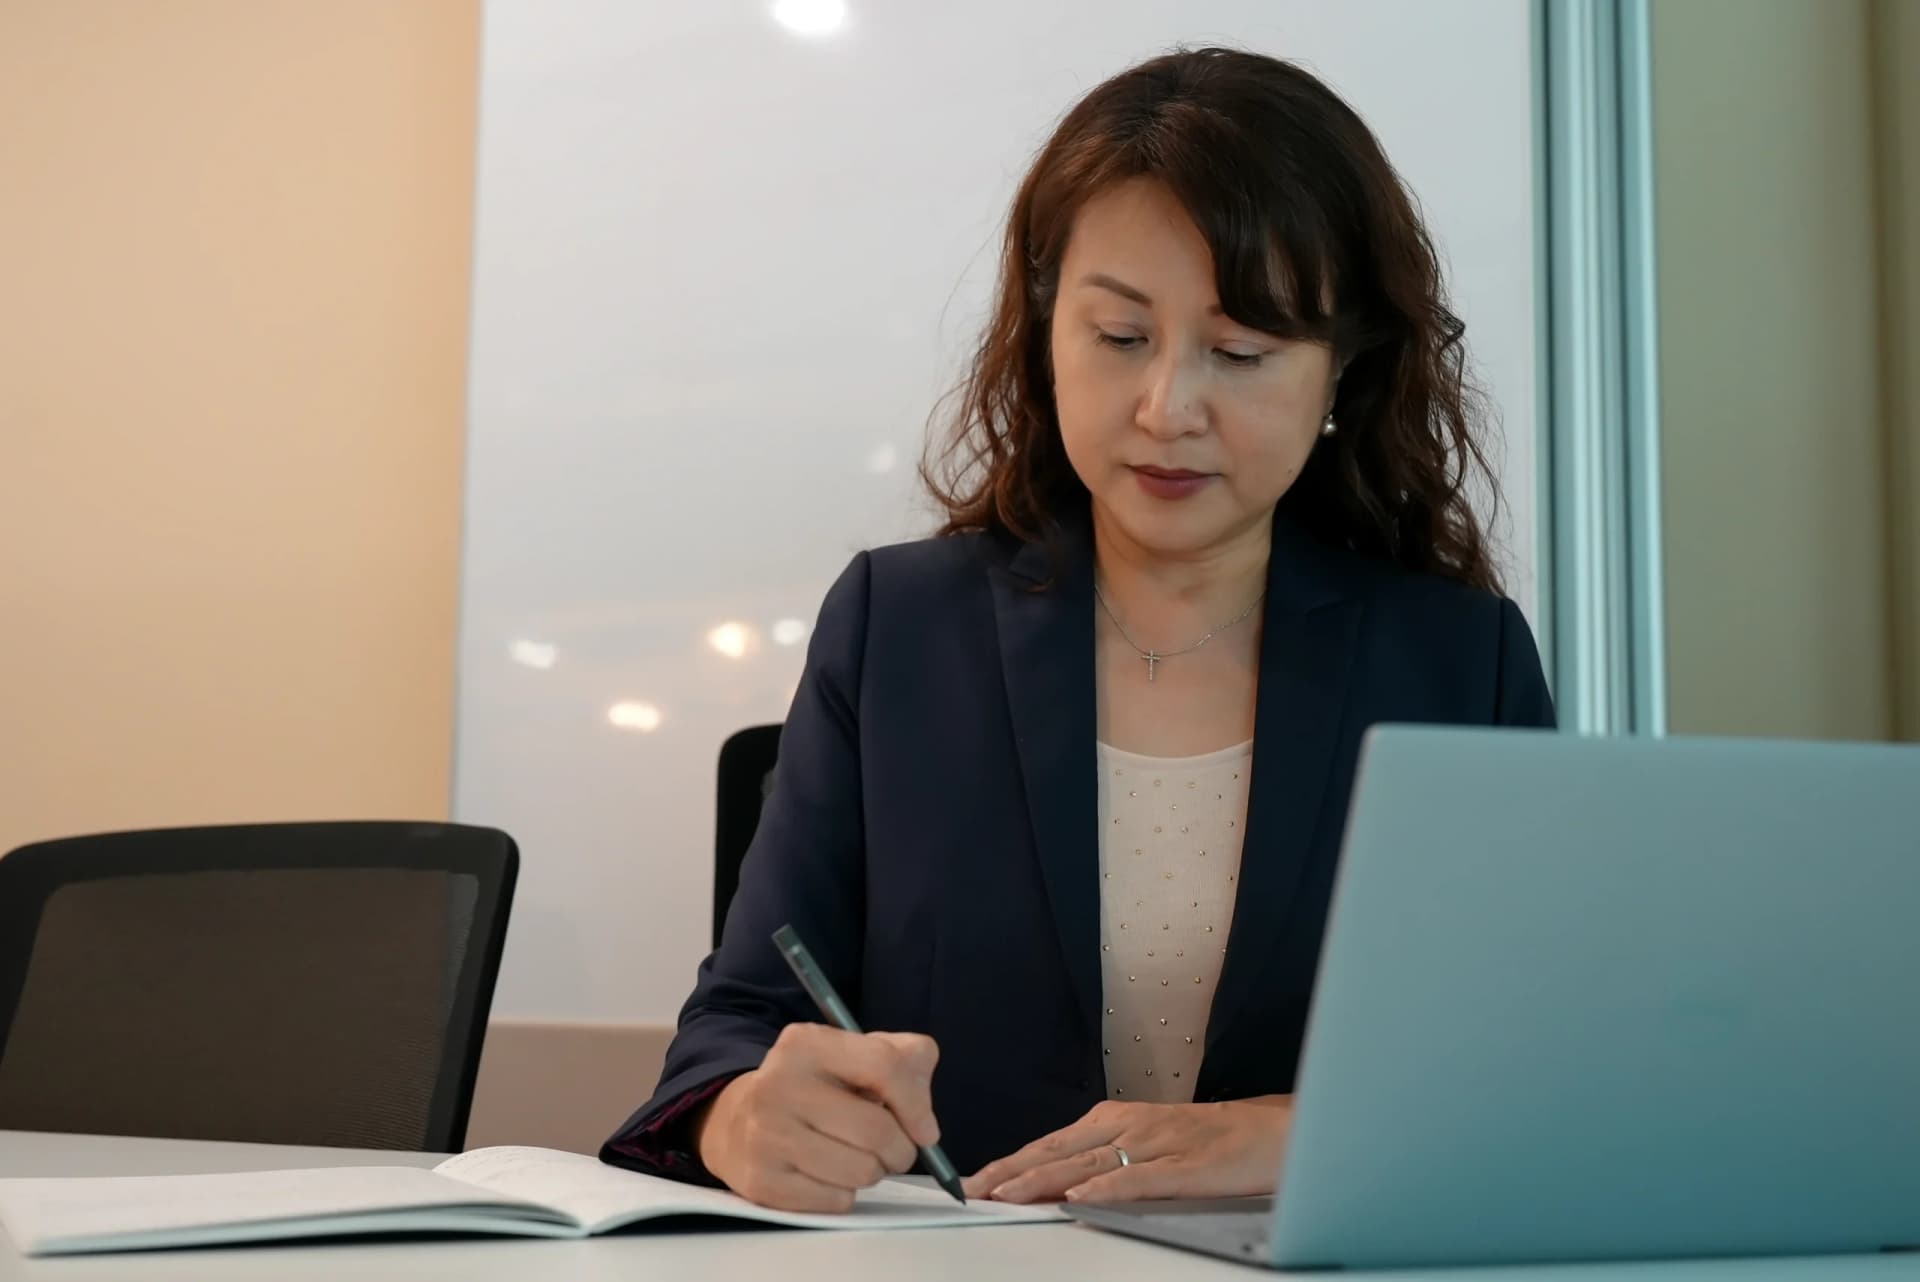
pixel 1061 793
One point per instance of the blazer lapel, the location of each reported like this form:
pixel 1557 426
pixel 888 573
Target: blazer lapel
pixel 1046 656
pixel 1306 652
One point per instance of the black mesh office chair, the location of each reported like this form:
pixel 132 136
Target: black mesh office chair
pixel 746 772
pixel 322 983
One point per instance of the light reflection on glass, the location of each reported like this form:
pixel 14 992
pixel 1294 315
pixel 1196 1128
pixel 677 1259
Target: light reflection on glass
pixel 534 654
pixel 635 715
pixel 732 639
pixel 810 17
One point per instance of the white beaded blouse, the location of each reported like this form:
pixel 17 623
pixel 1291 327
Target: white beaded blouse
pixel 1170 838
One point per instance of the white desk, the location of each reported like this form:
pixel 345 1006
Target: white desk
pixel 1056 1253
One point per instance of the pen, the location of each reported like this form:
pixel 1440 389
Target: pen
pixel 821 990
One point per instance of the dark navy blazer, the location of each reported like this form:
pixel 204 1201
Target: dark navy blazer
pixel 932 830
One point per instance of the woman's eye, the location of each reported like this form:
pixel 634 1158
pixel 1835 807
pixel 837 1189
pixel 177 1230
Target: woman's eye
pixel 1122 342
pixel 1240 360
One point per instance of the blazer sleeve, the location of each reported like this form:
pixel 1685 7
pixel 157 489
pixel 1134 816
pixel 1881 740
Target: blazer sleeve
pixel 806 866
pixel 1522 697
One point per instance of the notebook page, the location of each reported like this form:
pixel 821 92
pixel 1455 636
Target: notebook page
pixel 601 1196
pixel 85 1209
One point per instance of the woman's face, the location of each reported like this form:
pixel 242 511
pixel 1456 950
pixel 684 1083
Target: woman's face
pixel 1186 427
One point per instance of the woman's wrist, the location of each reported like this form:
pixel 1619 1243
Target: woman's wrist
pixel 701 1123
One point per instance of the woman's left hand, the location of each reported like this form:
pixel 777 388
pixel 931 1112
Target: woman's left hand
pixel 1230 1149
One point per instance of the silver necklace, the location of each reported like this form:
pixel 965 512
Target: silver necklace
pixel 1154 658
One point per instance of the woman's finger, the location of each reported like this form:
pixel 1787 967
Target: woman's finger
pixel 857 1121
pixel 821 1157
pixel 1100 1126
pixel 785 1189
pixel 1050 1182
pixel 1173 1176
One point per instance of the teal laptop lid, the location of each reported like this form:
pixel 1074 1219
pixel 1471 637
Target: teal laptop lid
pixel 1613 998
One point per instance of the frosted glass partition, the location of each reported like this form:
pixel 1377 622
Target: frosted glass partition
pixel 728 253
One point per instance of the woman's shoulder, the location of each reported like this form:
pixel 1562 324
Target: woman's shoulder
pixel 899 594
pixel 934 569
pixel 1442 633
pixel 914 582
pixel 1428 597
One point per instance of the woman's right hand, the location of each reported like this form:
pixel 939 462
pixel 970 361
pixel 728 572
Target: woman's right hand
pixel 826 1113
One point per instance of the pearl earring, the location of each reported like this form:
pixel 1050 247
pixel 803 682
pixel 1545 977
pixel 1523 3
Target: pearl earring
pixel 1328 428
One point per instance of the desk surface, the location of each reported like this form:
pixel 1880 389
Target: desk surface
pixel 1000 1254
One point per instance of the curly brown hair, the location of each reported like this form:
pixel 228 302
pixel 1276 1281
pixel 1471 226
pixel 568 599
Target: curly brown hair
pixel 1314 236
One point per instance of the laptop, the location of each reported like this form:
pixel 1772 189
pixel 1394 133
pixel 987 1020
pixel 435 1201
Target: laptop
pixel 1587 999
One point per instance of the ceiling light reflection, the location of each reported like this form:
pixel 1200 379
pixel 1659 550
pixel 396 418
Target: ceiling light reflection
pixel 635 715
pixel 810 17
pixel 732 639
pixel 534 654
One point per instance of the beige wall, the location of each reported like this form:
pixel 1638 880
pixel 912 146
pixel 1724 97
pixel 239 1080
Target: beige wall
pixel 563 1084
pixel 234 244
pixel 234 263
pixel 1775 502
pixel 1896 38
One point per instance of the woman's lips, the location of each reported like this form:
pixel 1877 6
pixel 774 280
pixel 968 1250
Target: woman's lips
pixel 1171 483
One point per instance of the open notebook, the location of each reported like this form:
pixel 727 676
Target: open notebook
pixel 526 1192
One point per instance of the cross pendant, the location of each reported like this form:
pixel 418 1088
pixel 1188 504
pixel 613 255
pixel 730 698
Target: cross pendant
pixel 1152 659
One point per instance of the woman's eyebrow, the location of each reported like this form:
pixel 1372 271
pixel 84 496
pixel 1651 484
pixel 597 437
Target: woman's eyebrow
pixel 1100 280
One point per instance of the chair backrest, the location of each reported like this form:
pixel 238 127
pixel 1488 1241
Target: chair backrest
pixel 320 984
pixel 746 773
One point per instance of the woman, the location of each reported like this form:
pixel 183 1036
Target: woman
pixel 1061 793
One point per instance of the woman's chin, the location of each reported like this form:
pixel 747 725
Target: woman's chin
pixel 1182 528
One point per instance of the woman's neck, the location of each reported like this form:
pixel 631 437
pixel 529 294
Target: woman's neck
pixel 1163 597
